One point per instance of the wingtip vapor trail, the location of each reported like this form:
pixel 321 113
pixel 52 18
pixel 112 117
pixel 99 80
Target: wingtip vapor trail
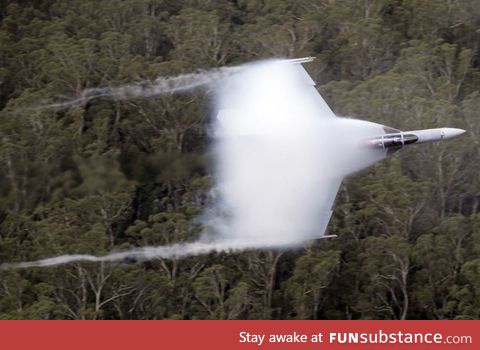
pixel 278 184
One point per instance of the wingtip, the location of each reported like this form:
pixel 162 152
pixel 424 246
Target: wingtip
pixel 328 236
pixel 300 60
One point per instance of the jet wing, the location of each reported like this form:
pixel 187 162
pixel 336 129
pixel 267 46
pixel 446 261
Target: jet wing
pixel 324 110
pixel 330 193
pixel 299 80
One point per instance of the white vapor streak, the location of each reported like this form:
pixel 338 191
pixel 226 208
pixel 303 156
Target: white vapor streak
pixel 174 251
pixel 145 89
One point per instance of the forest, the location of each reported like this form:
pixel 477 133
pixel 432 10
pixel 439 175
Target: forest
pixel 109 175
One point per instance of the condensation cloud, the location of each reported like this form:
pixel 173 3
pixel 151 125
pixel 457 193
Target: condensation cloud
pixel 280 155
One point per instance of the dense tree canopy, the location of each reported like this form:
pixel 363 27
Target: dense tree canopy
pixel 108 175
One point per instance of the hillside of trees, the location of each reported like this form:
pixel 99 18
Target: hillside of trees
pixel 111 175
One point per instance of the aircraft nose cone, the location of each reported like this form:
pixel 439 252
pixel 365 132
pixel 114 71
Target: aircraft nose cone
pixel 449 133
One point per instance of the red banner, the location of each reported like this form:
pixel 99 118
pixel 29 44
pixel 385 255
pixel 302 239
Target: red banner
pixel 328 335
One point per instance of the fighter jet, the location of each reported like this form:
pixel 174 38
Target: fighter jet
pixel 391 140
pixel 360 143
